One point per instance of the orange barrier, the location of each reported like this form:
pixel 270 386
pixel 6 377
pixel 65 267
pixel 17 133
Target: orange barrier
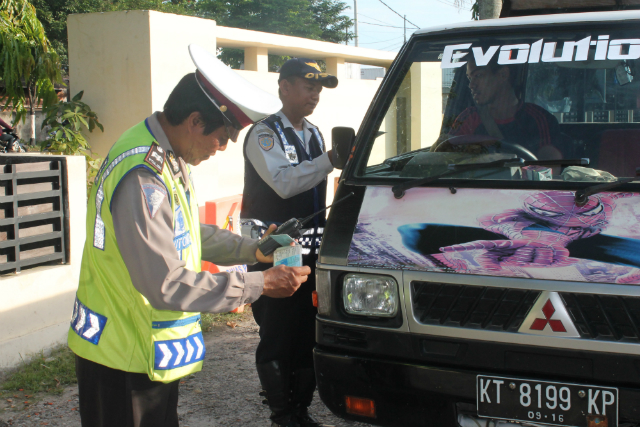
pixel 225 213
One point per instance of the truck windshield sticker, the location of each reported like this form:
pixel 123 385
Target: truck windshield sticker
pixel 543 51
pixel 511 233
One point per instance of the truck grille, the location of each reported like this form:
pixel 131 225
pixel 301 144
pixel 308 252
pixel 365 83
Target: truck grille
pixel 475 307
pixel 597 317
pixel 605 317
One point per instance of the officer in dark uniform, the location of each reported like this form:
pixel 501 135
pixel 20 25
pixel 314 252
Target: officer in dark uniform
pixel 286 166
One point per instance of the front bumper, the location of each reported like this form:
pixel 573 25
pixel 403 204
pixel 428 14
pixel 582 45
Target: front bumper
pixel 408 394
pixel 404 395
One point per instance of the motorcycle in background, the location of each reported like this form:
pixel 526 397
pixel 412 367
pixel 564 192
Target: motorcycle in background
pixel 9 141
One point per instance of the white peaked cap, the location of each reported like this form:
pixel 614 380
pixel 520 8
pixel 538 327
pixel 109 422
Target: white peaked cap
pixel 240 101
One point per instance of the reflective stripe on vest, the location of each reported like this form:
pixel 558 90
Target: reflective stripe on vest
pixel 98 229
pixel 87 323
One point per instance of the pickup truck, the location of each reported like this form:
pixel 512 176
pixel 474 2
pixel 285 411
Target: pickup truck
pixel 485 272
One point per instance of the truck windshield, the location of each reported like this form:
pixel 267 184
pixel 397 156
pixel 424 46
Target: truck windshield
pixel 543 96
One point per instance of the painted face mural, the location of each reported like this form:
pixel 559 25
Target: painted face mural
pixel 546 233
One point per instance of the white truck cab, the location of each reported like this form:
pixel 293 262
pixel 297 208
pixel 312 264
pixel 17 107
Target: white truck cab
pixel 487 270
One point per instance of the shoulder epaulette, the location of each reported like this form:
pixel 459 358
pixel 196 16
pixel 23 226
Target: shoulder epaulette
pixel 156 157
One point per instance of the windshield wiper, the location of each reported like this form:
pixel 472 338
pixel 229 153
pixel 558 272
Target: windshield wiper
pixel 582 196
pixel 399 190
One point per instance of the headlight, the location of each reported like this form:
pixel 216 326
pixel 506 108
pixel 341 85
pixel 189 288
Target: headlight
pixel 370 295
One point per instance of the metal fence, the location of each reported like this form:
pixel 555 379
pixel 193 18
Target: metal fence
pixel 33 227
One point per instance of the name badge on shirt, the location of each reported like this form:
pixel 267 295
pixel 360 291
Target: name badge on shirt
pixel 289 150
pixel 291 153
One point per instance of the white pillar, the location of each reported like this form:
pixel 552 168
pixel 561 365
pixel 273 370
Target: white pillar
pixel 426 104
pixel 256 59
pixel 336 67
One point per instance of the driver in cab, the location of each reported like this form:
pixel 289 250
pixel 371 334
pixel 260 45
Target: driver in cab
pixel 501 115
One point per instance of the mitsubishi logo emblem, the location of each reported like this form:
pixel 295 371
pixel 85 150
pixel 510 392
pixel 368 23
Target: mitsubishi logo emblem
pixel 540 324
pixel 549 317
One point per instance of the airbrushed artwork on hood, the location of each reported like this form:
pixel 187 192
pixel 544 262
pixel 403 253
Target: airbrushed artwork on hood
pixel 512 233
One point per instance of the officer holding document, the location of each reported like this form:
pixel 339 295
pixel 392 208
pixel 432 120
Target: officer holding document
pixel 286 166
pixel 135 327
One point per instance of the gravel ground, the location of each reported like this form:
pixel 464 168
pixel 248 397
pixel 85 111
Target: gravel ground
pixel 224 393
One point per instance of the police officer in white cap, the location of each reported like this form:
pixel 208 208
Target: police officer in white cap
pixel 286 168
pixel 135 327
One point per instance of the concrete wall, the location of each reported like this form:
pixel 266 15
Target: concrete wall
pixel 128 63
pixel 36 304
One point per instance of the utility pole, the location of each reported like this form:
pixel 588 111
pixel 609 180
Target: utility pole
pixel 405 28
pixel 355 18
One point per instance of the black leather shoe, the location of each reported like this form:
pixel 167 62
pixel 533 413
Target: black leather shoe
pixel 306 420
pixel 303 385
pixel 287 422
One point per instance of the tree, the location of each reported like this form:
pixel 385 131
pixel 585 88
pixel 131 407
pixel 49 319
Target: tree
pixel 335 26
pixel 487 9
pixel 27 60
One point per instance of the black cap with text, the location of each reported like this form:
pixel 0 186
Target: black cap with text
pixel 307 69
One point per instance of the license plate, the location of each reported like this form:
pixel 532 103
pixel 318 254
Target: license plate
pixel 546 402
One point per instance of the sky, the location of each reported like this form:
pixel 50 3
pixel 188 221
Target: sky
pixel 423 13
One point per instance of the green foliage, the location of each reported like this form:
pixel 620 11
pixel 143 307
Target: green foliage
pixel 44 374
pixel 26 58
pixel 67 120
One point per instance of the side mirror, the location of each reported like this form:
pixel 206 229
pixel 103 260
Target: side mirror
pixel 341 142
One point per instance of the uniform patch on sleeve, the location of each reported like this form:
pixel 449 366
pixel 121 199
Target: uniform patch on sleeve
pixel 265 141
pixel 181 236
pixel 154 196
pixel 156 157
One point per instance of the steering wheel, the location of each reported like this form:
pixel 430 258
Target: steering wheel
pixel 517 149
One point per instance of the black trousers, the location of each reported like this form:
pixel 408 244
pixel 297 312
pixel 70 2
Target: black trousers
pixel 113 398
pixel 287 325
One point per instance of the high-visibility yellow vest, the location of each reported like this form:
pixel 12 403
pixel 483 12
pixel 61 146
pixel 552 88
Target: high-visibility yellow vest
pixel 112 323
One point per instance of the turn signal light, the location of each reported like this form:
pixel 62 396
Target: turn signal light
pixel 360 406
pixel 314 296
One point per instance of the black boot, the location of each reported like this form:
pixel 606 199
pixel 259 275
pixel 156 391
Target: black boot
pixel 303 385
pixel 275 379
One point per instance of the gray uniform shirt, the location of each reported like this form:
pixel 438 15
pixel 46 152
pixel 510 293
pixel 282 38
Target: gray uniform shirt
pixel 156 270
pixel 274 167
